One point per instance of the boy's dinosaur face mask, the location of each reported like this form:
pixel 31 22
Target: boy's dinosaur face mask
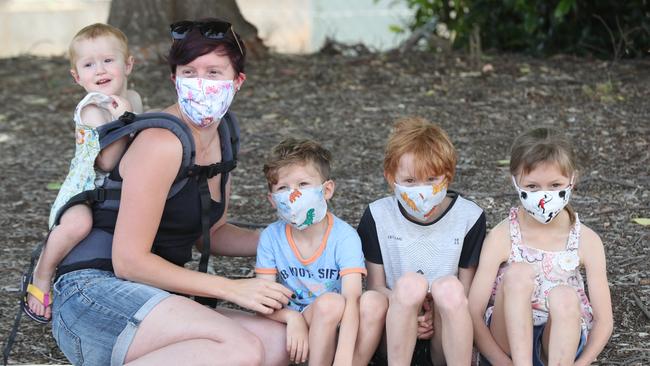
pixel 301 208
pixel 420 201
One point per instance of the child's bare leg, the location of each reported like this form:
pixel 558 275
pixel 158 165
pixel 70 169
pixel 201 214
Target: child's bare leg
pixel 75 225
pixel 323 317
pixel 401 319
pixel 562 332
pixel 518 286
pixel 372 319
pixel 453 335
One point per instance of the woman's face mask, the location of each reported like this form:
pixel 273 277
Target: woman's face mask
pixel 420 201
pixel 204 101
pixel 544 206
pixel 301 208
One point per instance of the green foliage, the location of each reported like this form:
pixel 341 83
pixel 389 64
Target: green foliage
pixel 605 28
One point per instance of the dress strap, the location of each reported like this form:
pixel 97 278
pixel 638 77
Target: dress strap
pixel 515 235
pixel 574 235
pixel 98 99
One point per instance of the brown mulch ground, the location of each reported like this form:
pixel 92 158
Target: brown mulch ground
pixel 348 103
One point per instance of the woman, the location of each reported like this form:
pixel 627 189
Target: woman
pixel 128 316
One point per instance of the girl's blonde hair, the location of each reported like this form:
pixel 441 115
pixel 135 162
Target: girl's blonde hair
pixel 433 151
pixel 95 31
pixel 543 145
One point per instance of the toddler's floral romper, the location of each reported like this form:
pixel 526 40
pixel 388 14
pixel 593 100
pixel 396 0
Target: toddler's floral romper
pixel 82 175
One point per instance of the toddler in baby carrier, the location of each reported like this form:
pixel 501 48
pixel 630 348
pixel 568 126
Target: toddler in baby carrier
pixel 96 248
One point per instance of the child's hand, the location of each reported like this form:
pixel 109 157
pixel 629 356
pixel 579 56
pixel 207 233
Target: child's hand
pixel 297 338
pixel 119 106
pixel 425 320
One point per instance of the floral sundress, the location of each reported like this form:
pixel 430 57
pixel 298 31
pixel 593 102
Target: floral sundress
pixel 82 175
pixel 552 269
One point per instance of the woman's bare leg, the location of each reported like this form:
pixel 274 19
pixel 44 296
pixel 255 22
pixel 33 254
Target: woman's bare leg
pixel 179 331
pixel 272 334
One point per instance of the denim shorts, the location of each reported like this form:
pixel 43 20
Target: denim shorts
pixel 538 331
pixel 96 315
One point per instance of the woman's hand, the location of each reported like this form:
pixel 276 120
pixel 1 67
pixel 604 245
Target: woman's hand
pixel 259 295
pixel 425 321
pixel 297 338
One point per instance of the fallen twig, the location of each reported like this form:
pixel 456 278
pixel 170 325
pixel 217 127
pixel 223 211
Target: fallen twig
pixel 632 261
pixel 639 303
pixel 617 209
pixel 611 181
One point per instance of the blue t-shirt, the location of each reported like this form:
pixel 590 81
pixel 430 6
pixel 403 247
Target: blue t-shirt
pixel 339 254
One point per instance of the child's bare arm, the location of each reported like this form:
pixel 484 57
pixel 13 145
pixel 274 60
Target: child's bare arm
pixel 351 288
pixel 466 276
pixel 136 102
pixel 376 279
pixel 297 329
pixel 494 252
pixel 110 155
pixel 592 254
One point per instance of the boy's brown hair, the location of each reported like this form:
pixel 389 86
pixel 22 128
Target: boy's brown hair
pixel 293 151
pixel 95 31
pixel 433 151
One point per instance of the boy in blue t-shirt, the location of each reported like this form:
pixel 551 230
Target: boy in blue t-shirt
pixel 318 256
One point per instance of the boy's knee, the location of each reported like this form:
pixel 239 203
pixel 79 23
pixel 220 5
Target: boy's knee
pixel 519 277
pixel 563 302
pixel 329 307
pixel 448 294
pixel 372 307
pixel 410 290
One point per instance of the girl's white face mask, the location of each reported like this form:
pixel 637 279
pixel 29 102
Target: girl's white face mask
pixel 301 208
pixel 544 206
pixel 420 201
pixel 204 101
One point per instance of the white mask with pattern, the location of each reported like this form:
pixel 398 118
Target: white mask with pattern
pixel 301 208
pixel 204 101
pixel 544 206
pixel 420 201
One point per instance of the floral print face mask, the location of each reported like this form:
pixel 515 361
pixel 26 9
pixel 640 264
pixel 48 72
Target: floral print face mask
pixel 420 201
pixel 544 206
pixel 204 101
pixel 301 208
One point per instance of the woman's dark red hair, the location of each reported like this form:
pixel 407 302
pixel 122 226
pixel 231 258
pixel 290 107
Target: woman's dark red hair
pixel 194 45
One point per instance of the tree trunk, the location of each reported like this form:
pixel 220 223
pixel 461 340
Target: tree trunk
pixel 146 23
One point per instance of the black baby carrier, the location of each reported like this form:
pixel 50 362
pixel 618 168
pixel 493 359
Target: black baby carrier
pixel 95 250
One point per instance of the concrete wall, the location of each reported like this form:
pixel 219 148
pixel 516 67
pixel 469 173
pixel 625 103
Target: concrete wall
pixel 45 27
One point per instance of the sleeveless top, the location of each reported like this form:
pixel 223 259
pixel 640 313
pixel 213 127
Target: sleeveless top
pixel 180 224
pixel 82 175
pixel 553 268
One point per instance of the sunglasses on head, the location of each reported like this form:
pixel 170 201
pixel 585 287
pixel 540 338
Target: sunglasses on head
pixel 209 29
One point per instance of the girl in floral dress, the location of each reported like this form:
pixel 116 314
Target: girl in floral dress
pixel 528 300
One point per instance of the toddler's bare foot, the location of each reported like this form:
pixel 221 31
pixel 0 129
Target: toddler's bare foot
pixel 40 286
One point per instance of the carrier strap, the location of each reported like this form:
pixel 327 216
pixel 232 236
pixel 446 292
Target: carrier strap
pixel 204 191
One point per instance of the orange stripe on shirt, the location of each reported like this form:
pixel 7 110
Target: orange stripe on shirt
pixel 266 270
pixel 361 270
